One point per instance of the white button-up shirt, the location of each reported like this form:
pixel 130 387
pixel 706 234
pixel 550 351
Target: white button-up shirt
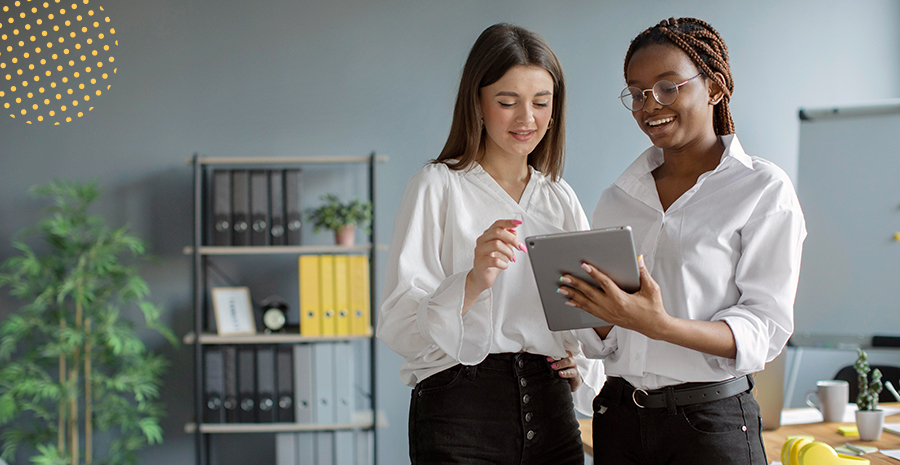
pixel 441 215
pixel 727 250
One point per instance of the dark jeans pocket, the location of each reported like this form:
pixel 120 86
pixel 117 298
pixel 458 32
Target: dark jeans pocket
pixel 716 417
pixel 441 380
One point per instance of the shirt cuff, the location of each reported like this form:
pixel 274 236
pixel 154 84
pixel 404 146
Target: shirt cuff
pixel 751 350
pixel 593 378
pixel 465 338
pixel 593 346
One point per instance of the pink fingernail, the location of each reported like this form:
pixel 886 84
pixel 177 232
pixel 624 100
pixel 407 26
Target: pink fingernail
pixel 586 267
pixel 514 258
pixel 570 303
pixel 522 247
pixel 554 366
pixel 516 222
pixel 549 359
pixel 565 280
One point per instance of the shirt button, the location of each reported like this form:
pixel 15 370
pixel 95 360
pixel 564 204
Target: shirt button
pixel 530 434
pixel 528 416
pixel 523 382
pixel 521 363
pixel 744 428
pixel 526 398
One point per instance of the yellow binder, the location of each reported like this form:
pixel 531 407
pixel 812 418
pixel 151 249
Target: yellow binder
pixel 341 295
pixel 310 306
pixel 360 318
pixel 326 294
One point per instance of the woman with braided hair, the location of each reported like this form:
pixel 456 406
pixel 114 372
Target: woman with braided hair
pixel 719 234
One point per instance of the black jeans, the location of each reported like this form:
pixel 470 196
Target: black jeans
pixel 510 409
pixel 725 431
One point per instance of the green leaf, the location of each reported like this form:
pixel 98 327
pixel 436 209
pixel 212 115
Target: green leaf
pixel 7 408
pixel 48 455
pixel 151 429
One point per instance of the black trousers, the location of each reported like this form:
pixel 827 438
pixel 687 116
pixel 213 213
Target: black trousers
pixel 724 431
pixel 510 409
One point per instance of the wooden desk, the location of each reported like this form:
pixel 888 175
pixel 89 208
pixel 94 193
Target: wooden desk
pixel 824 432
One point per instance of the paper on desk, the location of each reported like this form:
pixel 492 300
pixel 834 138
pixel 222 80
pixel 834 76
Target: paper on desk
pixel 797 416
pixel 892 428
pixel 892 453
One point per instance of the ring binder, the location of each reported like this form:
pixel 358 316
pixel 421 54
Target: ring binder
pixel 276 202
pixel 246 385
pixel 221 214
pixel 265 384
pixel 240 207
pixel 259 207
pixel 292 205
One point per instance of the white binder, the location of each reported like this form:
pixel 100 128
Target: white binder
pixel 325 411
pixel 304 396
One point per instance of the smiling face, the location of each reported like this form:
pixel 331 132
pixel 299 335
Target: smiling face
pixel 689 121
pixel 516 110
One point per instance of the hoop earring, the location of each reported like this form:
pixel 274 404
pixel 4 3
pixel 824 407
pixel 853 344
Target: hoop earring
pixel 550 123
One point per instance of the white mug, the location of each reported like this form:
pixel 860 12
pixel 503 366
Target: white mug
pixel 833 396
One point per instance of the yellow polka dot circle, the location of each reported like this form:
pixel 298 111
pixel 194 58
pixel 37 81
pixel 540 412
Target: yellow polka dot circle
pixel 55 59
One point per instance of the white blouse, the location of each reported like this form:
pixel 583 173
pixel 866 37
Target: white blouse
pixel 727 250
pixel 432 249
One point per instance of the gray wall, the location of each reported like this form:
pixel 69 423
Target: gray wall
pixel 277 77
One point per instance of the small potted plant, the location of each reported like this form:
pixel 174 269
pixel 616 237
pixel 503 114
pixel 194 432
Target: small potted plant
pixel 869 419
pixel 342 218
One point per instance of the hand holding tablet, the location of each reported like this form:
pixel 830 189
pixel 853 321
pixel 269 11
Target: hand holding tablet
pixel 609 250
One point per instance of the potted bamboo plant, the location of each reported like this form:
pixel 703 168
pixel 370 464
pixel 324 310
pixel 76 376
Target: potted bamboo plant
pixel 70 364
pixel 342 218
pixel 869 418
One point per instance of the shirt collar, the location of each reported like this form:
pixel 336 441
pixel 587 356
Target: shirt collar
pixel 652 158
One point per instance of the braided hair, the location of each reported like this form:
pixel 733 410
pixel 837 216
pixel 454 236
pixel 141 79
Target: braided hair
pixel 705 48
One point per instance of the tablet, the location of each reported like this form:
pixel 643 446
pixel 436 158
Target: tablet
pixel 609 250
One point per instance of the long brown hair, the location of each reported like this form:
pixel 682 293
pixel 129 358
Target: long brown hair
pixel 706 49
pixel 499 48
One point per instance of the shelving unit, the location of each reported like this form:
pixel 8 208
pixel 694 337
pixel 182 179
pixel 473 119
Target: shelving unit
pixel 201 253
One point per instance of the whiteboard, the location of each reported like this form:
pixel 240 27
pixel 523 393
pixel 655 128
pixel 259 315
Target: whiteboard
pixel 848 182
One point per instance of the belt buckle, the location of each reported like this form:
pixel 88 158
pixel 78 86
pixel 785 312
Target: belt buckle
pixel 634 396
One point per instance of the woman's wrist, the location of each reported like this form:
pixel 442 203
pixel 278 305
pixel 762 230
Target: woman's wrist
pixel 472 292
pixel 662 328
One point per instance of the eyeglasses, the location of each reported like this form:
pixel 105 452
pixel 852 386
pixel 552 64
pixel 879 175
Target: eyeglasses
pixel 664 91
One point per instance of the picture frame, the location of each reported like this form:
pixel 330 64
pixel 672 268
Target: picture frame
pixel 233 310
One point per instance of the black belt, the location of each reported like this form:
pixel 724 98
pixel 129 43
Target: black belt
pixel 690 394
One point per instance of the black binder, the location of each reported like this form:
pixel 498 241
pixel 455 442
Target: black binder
pixel 246 384
pixel 285 383
pixel 292 205
pixel 230 402
pixel 276 204
pixel 221 211
pixel 240 207
pixel 265 383
pixel 214 385
pixel 259 207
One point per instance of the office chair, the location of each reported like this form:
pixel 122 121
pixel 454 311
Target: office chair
pixel 888 373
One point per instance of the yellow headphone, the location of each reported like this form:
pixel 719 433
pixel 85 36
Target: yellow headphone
pixel 804 450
